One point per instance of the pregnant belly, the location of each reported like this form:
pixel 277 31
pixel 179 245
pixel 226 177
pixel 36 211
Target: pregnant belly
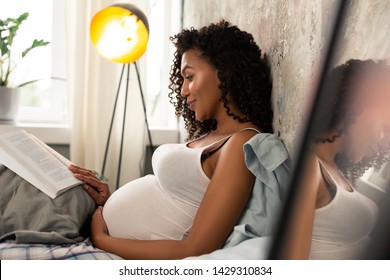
pixel 141 210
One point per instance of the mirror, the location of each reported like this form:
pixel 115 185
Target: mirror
pixel 339 189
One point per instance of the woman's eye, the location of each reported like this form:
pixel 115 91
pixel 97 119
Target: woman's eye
pixel 188 77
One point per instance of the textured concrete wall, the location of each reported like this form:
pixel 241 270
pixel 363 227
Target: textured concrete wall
pixel 294 36
pixel 367 31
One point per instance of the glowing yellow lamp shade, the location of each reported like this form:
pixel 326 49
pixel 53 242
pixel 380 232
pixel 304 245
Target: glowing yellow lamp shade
pixel 120 33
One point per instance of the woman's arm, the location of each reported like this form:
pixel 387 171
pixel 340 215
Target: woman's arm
pixel 225 198
pixel 299 231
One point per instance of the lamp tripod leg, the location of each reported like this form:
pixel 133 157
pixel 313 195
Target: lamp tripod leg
pixel 124 121
pixel 123 128
pixel 111 124
pixel 144 108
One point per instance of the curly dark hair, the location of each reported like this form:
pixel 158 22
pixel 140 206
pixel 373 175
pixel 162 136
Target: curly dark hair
pixel 338 108
pixel 243 72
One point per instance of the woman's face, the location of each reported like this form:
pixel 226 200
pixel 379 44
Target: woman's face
pixel 367 135
pixel 371 130
pixel 201 86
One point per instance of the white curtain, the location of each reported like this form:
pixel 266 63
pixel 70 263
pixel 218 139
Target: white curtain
pixel 93 84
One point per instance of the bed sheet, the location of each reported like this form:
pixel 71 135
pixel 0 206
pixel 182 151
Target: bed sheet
pixel 84 250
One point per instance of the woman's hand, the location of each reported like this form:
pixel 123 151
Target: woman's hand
pixel 96 188
pixel 98 226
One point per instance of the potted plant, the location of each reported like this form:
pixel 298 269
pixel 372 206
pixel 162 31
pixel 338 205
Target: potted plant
pixel 9 94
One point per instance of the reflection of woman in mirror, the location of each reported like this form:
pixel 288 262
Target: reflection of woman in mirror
pixel 334 221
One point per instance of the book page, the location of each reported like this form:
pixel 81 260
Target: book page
pixel 49 172
pixel 13 163
pixel 60 157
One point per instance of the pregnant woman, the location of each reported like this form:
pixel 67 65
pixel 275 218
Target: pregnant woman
pixel 220 84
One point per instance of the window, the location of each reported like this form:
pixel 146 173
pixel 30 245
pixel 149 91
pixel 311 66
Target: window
pixel 46 100
pixel 43 101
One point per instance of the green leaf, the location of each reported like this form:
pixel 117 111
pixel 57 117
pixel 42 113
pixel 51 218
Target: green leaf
pixel 22 17
pixel 35 44
pixel 3 48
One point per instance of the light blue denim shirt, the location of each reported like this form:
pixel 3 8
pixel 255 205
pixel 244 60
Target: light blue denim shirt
pixel 267 158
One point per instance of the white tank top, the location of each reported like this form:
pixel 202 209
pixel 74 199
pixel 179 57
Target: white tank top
pixel 163 205
pixel 341 228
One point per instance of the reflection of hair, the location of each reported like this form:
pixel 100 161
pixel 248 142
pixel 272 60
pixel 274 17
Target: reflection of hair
pixel 340 110
pixel 353 171
pixel 243 72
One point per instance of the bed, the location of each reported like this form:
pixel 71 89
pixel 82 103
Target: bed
pixel 84 250
pixel 58 229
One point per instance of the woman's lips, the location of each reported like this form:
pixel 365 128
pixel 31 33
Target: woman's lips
pixel 191 104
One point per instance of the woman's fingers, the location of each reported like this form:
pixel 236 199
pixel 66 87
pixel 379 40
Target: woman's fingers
pixel 96 189
pixel 83 171
pixel 93 181
pixel 97 197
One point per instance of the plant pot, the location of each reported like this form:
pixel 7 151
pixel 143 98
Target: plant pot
pixel 9 104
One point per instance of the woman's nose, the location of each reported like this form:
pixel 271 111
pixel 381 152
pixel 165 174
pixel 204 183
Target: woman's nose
pixel 184 91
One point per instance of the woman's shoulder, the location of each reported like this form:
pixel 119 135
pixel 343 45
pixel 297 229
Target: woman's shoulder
pixel 311 161
pixel 244 134
pixel 312 175
pixel 239 138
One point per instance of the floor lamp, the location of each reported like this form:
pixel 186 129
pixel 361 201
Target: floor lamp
pixel 120 34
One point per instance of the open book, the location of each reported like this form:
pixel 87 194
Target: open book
pixel 36 162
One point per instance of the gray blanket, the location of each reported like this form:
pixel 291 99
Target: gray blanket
pixel 27 215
